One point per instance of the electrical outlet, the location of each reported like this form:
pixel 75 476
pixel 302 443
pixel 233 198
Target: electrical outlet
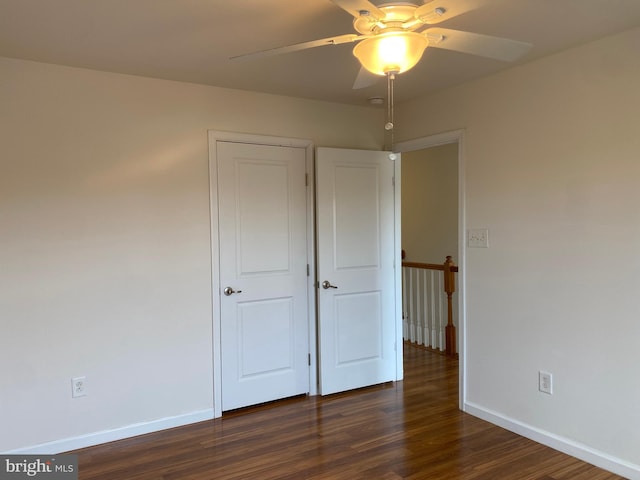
pixel 545 382
pixel 478 238
pixel 78 387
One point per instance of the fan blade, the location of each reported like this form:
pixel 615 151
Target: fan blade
pixel 477 44
pixel 437 11
pixel 356 7
pixel 365 79
pixel 348 38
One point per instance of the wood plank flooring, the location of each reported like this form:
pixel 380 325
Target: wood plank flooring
pixel 405 430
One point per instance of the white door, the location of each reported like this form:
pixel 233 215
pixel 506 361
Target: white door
pixel 355 251
pixel 263 268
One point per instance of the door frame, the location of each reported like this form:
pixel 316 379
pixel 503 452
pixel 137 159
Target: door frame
pixel 215 136
pixel 454 136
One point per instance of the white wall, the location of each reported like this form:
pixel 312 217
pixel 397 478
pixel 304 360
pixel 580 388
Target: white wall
pixel 105 267
pixel 430 203
pixel 552 169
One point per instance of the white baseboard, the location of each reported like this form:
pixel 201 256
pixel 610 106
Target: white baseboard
pixel 104 436
pixel 564 445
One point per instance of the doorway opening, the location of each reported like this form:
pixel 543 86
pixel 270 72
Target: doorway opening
pixel 432 218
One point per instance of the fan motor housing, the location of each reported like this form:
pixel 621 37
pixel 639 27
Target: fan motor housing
pixel 398 16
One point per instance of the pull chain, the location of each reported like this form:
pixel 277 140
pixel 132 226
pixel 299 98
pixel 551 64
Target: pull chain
pixel 391 76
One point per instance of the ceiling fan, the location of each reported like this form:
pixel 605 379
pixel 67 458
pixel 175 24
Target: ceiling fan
pixel 392 37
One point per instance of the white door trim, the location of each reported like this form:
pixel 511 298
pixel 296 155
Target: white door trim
pixel 454 136
pixel 219 136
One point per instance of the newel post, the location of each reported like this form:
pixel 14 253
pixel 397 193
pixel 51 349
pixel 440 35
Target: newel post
pixel 449 288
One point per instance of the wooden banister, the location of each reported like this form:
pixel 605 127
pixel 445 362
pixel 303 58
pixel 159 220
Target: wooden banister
pixel 430 266
pixel 449 269
pixel 449 288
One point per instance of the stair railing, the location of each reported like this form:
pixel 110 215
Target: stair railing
pixel 424 294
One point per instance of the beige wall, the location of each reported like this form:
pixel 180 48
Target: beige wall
pixel 430 203
pixel 105 267
pixel 552 169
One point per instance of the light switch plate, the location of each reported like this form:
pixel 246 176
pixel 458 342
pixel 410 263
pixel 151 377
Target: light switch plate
pixel 478 238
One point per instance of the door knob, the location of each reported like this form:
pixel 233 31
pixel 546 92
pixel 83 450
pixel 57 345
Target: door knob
pixel 327 284
pixel 228 291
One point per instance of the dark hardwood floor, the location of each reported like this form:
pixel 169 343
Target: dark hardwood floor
pixel 410 429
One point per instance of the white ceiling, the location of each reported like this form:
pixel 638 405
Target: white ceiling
pixel 192 40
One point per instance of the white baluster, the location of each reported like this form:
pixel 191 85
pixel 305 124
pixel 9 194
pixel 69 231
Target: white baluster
pixel 405 310
pixel 419 320
pixel 432 301
pixel 425 303
pixel 412 324
pixel 441 316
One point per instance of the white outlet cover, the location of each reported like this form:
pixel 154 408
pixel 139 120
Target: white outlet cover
pixel 545 382
pixel 478 238
pixel 78 387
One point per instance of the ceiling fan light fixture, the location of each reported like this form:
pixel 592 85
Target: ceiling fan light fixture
pixel 391 52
